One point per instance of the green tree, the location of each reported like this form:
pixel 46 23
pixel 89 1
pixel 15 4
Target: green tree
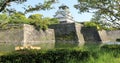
pixel 41 22
pixel 4 19
pixel 93 25
pixel 45 23
pixel 51 20
pixel 4 3
pixel 104 10
pixel 36 20
pixel 18 18
pixel 54 21
pixel 46 5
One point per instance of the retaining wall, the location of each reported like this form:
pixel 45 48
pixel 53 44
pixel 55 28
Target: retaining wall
pixel 113 35
pixel 25 35
pixel 68 33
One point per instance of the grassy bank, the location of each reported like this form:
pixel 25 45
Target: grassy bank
pixel 85 54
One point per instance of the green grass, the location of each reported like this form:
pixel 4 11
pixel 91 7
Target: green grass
pixel 109 54
pixel 90 53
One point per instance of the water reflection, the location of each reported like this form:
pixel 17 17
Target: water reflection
pixel 112 43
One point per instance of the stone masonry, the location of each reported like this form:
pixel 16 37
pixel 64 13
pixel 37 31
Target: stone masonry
pixel 72 33
pixel 27 35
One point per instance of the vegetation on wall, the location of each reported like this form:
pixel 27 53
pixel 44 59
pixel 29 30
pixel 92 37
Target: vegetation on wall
pixel 41 22
pixel 99 26
pixel 37 20
pixel 92 25
pixel 3 20
pixel 17 18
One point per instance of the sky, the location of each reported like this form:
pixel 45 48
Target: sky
pixel 49 13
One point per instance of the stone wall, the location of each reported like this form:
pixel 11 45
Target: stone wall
pixel 78 28
pixel 93 35
pixel 68 33
pixel 26 35
pixel 90 34
pixel 72 33
pixel 11 37
pixel 113 35
pixel 45 39
pixel 103 36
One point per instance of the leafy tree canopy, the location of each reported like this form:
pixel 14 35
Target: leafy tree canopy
pixel 41 22
pixel 93 25
pixel 104 10
pixel 3 18
pixel 17 18
pixel 4 3
pixel 46 5
pixel 54 21
pixel 38 20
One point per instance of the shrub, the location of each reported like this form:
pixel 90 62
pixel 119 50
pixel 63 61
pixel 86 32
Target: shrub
pixel 118 40
pixel 93 25
pixel 50 56
pixel 111 47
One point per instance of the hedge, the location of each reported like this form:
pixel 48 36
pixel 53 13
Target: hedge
pixel 50 56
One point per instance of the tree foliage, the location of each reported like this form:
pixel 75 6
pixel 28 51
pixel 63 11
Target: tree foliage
pixel 54 21
pixel 41 22
pixel 4 3
pixel 98 26
pixel 38 20
pixel 104 10
pixel 14 17
pixel 46 5
pixel 3 18
pixel 93 25
pixel 17 18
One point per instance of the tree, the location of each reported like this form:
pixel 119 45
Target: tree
pixel 4 3
pixel 45 23
pixel 104 10
pixel 18 18
pixel 54 21
pixel 4 19
pixel 41 22
pixel 47 5
pixel 93 25
pixel 38 21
